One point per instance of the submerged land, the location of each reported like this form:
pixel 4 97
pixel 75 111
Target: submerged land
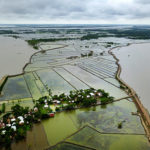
pixel 75 77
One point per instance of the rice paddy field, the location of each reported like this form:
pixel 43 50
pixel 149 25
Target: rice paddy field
pixel 84 128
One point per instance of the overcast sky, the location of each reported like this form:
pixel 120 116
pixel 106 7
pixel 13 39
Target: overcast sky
pixel 75 11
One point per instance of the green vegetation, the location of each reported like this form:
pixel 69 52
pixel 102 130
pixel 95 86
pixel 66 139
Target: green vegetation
pixel 94 36
pixel 34 42
pixel 109 44
pixel 3 83
pixel 3 108
pixel 122 87
pixel 15 124
pixel 87 54
pixel 90 36
pixel 53 31
pixel 83 98
pixel 132 33
pixel 120 125
pixel 15 36
pixel 7 32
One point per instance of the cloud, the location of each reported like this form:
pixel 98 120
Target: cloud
pixel 142 2
pixel 74 11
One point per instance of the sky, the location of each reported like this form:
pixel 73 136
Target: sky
pixel 75 11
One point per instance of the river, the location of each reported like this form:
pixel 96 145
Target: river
pixel 14 54
pixel 135 64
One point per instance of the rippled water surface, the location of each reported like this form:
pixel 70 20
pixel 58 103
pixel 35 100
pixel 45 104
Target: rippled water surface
pixel 14 54
pixel 135 63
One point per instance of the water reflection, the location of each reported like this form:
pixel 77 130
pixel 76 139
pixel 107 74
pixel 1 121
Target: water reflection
pixel 135 63
pixel 14 54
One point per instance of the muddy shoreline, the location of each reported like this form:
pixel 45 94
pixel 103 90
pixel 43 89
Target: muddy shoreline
pixel 143 112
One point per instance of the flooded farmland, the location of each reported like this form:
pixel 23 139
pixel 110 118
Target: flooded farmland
pixel 53 70
pixel 62 67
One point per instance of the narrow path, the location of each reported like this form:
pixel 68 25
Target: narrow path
pixel 145 117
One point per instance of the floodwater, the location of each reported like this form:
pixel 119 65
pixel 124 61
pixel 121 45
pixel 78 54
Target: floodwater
pixel 14 54
pixel 135 63
pixel 104 133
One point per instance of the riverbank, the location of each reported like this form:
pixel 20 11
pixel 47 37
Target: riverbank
pixel 144 114
pixel 135 60
pixel 17 51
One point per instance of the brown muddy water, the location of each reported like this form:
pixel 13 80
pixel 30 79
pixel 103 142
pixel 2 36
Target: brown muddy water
pixel 14 54
pixel 135 63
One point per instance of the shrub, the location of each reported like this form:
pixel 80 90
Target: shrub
pixel 18 110
pixel 20 134
pixel 3 108
pixel 69 107
pixel 57 109
pixel 120 125
pixel 104 100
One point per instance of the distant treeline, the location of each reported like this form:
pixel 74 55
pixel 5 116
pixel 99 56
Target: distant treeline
pixel 135 32
pixel 128 33
pixel 7 32
pixel 132 33
pixel 35 42
pixel 94 36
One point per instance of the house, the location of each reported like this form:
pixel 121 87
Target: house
pixel 88 96
pixel 56 101
pixel 51 114
pixel 14 128
pixel 3 132
pixel 13 119
pixel 99 94
pixel 8 125
pixel 92 94
pixel 2 125
pixel 46 106
pixel 35 109
pixel 21 120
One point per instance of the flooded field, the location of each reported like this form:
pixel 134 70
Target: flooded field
pixel 62 70
pixel 36 140
pixel 96 127
pixel 94 139
pixel 135 63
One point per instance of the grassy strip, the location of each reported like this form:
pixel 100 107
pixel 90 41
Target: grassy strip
pixel 3 83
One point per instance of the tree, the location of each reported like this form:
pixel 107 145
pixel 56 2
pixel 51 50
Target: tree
pixel 18 110
pixel 69 107
pixel 3 108
pixel 21 133
pixel 120 125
